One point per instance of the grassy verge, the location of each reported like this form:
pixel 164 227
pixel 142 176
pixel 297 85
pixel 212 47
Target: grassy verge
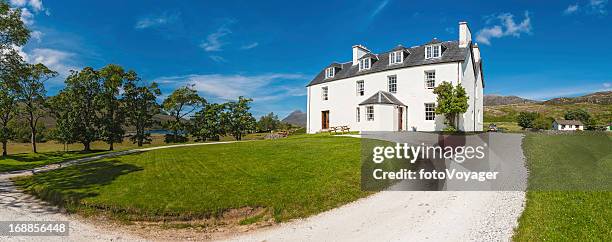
pixel 569 194
pixel 293 177
pixel 31 160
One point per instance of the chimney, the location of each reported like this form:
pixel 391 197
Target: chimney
pixel 465 36
pixel 358 52
pixel 476 51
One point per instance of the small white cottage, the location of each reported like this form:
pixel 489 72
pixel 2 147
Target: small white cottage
pixel 568 125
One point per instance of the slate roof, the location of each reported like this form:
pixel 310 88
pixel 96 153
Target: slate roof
pixel 382 97
pixel 416 57
pixel 569 122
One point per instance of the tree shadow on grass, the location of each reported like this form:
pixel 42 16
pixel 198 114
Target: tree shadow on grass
pixel 55 155
pixel 74 183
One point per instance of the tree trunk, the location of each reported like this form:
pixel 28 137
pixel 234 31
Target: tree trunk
pixel 33 130
pixel 4 153
pixel 87 146
pixel 111 147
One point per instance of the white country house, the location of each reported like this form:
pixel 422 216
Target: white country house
pixel 393 90
pixel 567 125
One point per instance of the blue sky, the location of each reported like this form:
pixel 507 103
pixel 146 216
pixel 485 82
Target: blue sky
pixel 269 50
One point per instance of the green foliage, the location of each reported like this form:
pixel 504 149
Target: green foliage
pixel 182 102
pixel 207 123
pixel 14 31
pixel 112 112
pixel 237 119
pixel 268 123
pixel 140 104
pixel 543 123
pixel 452 101
pixel 578 114
pixel 525 119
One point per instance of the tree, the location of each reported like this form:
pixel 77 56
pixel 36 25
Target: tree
pixel 237 119
pixel 141 105
pixel 579 114
pixel 451 102
pixel 525 119
pixel 542 122
pixel 82 87
pixel 13 33
pixel 179 104
pixel 31 93
pixel 207 123
pixel 112 78
pixel 268 123
pixel 60 108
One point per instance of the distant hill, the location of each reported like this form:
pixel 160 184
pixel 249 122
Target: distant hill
pixel 297 118
pixel 598 105
pixel 596 98
pixel 493 100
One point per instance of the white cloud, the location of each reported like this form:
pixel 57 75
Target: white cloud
pixel 157 20
pixel 36 35
pixel 217 58
pixel 265 87
pixel 506 27
pixel 379 8
pixel 598 7
pixel 249 46
pixel 572 8
pixel 607 85
pixel 36 5
pixel 57 60
pixel 27 17
pixel 213 41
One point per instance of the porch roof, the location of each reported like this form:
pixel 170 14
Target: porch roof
pixel 382 97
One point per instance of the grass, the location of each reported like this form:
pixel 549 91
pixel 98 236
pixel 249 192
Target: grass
pixel 569 196
pixel 292 178
pixel 20 158
pixel 505 126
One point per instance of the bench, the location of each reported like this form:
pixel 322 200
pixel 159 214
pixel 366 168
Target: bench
pixel 340 129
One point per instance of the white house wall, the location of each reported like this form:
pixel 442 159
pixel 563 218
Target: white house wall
pixel 343 99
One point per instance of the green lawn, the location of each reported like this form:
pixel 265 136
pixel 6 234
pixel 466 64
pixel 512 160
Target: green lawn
pixel 569 195
pixel 30 160
pixel 290 178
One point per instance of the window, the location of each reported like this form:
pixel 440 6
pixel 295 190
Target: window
pixel 358 114
pixel 432 51
pixel 330 72
pixel 392 84
pixel 575 126
pixel 563 126
pixel 430 79
pixel 396 57
pixel 370 113
pixel 364 64
pixel 360 88
pixel 324 93
pixel 430 111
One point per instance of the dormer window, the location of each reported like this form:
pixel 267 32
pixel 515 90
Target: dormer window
pixel 396 57
pixel 433 51
pixel 364 64
pixel 330 72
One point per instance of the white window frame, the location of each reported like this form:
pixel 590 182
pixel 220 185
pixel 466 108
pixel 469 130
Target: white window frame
pixel 393 57
pixel 370 113
pixel 392 82
pixel 363 62
pixel 430 112
pixel 360 86
pixel 431 79
pixel 325 93
pixel 358 115
pixel 330 72
pixel 431 50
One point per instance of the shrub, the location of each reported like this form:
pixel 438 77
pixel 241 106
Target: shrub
pixel 526 119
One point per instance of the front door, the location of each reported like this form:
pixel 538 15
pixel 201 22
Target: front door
pixel 400 115
pixel 325 120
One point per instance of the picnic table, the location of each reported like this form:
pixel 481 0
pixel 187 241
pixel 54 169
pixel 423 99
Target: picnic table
pixel 341 129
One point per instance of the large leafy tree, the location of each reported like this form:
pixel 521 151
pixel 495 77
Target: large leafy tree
pixel 140 102
pixel 82 87
pixel 237 119
pixel 60 108
pixel 13 33
pixel 181 103
pixel 207 122
pixel 268 122
pixel 526 119
pixel 112 115
pixel 32 94
pixel 452 101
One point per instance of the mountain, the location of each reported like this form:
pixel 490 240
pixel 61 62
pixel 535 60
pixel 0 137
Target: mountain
pixel 493 100
pixel 595 98
pixel 297 117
